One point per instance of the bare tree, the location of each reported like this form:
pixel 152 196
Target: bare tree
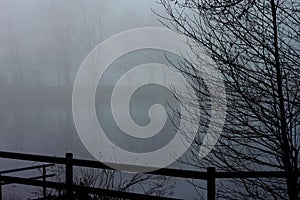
pixel 10 45
pixel 255 45
pixel 113 180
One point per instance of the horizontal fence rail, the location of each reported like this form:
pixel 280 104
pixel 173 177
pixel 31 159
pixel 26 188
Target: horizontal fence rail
pixel 210 175
pixel 22 169
pixel 91 190
pixel 96 164
pixel 25 168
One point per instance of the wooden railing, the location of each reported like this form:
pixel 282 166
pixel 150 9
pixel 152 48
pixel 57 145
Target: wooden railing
pixel 210 175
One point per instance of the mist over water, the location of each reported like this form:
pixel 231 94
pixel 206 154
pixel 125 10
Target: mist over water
pixel 42 45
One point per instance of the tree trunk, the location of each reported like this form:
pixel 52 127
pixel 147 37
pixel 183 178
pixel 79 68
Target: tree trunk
pixel 286 155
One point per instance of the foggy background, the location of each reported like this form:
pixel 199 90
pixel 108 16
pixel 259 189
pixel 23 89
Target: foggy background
pixel 42 44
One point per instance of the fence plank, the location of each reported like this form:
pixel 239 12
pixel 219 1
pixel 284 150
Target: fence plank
pixel 91 190
pixel 211 183
pixel 69 175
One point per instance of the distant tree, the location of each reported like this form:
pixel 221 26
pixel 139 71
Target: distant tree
pixel 93 22
pixel 59 20
pixel 10 45
pixel 256 46
pixel 72 28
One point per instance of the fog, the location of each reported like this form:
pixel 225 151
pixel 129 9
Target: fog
pixel 42 45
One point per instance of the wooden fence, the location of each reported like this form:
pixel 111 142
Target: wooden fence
pixel 210 176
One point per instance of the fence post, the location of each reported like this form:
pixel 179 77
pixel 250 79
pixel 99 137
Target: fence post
pixel 0 188
pixel 69 175
pixel 211 183
pixel 44 181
